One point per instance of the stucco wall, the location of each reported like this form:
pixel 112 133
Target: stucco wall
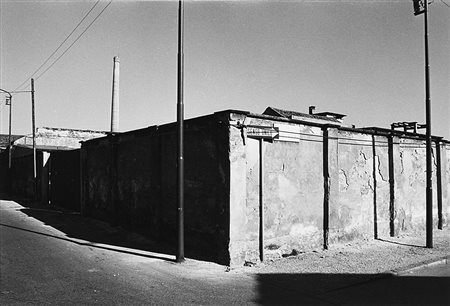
pixel 352 213
pixel 292 191
pixel 376 188
pixel 410 191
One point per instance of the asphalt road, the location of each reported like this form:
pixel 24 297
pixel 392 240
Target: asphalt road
pixel 40 265
pixel 44 265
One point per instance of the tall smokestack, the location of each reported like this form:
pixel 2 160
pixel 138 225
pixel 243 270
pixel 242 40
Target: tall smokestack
pixel 115 96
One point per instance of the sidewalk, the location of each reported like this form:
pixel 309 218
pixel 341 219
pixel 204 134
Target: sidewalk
pixel 386 255
pixel 321 272
pixel 324 277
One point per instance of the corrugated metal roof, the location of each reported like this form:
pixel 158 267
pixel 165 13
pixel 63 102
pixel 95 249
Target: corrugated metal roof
pixel 292 114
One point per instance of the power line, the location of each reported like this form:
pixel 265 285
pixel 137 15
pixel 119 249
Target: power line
pixel 79 36
pixel 60 45
pixel 445 3
pixel 70 46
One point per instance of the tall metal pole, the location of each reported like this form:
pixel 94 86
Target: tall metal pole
pixel 34 139
pixel 429 186
pixel 180 134
pixel 9 133
pixel 261 200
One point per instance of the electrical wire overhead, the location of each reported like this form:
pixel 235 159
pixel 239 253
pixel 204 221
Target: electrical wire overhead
pixel 62 43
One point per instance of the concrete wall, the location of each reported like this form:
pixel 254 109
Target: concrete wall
pixel 130 179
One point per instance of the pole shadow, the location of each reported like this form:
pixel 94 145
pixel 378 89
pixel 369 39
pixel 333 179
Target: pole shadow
pixel 90 244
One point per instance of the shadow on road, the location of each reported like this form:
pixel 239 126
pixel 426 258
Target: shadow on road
pixel 351 289
pixel 90 232
pixel 104 247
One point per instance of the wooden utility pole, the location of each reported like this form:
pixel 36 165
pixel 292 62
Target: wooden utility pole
pixel 34 139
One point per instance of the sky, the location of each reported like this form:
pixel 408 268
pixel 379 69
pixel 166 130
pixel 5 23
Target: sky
pixel 364 59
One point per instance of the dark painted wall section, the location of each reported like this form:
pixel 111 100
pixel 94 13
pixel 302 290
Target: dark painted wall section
pixel 64 181
pixel 22 182
pixel 130 179
pixel 4 172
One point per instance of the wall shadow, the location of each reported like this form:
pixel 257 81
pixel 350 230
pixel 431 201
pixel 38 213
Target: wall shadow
pixel 90 231
pixel 401 243
pixel 351 289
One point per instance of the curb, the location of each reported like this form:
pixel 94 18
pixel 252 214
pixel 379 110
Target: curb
pixel 427 263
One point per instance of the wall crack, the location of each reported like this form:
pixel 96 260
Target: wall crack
pixel 344 181
pixel 379 170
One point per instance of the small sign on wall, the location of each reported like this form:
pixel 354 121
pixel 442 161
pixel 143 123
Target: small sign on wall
pixel 261 132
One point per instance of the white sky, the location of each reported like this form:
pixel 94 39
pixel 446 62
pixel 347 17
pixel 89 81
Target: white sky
pixel 360 58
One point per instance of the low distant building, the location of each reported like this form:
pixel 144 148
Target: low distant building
pixel 4 140
pixel 59 139
pixel 57 165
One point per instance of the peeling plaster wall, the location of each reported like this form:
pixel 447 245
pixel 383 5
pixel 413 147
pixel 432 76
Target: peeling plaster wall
pixel 292 188
pixel 241 246
pixel 410 186
pixel 381 203
pixel 370 192
pixel 352 215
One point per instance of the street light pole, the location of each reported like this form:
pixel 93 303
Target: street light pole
pixel 421 7
pixel 429 186
pixel 180 136
pixel 9 131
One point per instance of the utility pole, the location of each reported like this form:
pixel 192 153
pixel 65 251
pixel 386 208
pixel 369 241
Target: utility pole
pixel 421 7
pixel 180 136
pixel 34 139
